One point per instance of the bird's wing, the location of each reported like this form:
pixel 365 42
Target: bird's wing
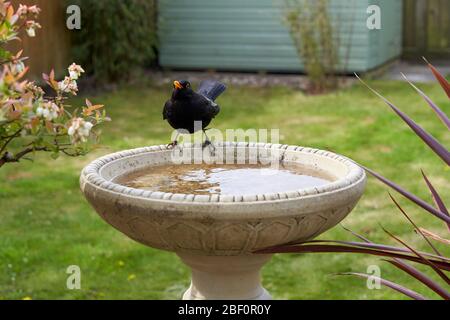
pixel 167 110
pixel 211 89
pixel 210 108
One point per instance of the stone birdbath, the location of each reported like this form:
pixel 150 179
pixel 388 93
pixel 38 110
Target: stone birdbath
pixel 216 235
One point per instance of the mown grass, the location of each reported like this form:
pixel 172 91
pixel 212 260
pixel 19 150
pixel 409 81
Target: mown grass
pixel 46 225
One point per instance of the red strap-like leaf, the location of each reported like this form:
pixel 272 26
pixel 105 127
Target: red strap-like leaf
pixel 436 198
pixel 425 260
pixel 439 77
pixel 433 285
pixel 415 225
pixel 407 292
pixel 357 235
pixel 410 196
pixel 433 106
pixel 327 248
pixel 434 236
pixel 434 145
pixel 368 245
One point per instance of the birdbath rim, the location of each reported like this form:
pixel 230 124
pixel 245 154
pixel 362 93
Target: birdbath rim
pixel 93 174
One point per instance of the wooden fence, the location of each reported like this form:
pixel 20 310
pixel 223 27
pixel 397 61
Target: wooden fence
pixel 426 28
pixel 51 46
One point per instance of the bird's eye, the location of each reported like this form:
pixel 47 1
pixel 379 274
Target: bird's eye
pixel 187 85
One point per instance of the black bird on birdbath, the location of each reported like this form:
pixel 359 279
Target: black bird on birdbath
pixel 187 106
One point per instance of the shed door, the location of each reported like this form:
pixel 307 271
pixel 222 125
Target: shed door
pixel 426 29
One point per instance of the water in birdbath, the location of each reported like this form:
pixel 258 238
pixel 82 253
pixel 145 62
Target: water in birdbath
pixel 226 179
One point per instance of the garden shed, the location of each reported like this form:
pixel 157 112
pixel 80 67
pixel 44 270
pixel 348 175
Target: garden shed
pixel 252 35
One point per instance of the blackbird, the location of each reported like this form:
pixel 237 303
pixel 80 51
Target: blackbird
pixel 186 106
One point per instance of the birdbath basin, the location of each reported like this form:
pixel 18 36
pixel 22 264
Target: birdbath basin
pixel 216 235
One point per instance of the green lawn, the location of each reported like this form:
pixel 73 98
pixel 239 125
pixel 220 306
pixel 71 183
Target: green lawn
pixel 46 225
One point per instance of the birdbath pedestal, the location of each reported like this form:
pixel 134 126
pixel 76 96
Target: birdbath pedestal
pixel 226 277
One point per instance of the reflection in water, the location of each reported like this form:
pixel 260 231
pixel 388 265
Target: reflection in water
pixel 224 179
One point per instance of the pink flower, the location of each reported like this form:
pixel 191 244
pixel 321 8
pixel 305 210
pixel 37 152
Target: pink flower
pixel 22 11
pixel 34 10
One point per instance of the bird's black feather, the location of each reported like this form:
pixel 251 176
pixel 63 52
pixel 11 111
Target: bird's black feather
pixel 167 110
pixel 211 89
pixel 186 106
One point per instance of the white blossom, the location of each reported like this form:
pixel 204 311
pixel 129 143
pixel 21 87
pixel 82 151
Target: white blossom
pixel 68 85
pixel 79 130
pixel 31 32
pixel 75 71
pixel 18 67
pixel 48 110
pixel 31 27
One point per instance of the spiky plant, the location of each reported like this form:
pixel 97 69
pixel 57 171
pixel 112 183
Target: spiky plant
pixel 399 255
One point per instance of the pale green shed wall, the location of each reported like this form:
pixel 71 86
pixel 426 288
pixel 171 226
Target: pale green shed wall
pixel 250 35
pixel 386 44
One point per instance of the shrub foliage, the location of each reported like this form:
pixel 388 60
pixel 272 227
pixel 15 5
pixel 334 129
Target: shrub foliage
pixel 116 37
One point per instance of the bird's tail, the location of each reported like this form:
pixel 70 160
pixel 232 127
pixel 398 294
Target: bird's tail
pixel 211 89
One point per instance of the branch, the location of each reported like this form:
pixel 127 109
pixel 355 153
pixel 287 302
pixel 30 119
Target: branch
pixel 8 157
pixel 5 62
pixel 10 138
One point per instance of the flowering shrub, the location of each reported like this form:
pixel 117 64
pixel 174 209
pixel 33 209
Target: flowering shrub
pixel 30 119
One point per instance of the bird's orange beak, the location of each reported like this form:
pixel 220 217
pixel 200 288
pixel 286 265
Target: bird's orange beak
pixel 177 85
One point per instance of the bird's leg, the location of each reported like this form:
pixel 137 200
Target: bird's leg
pixel 207 141
pixel 174 143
